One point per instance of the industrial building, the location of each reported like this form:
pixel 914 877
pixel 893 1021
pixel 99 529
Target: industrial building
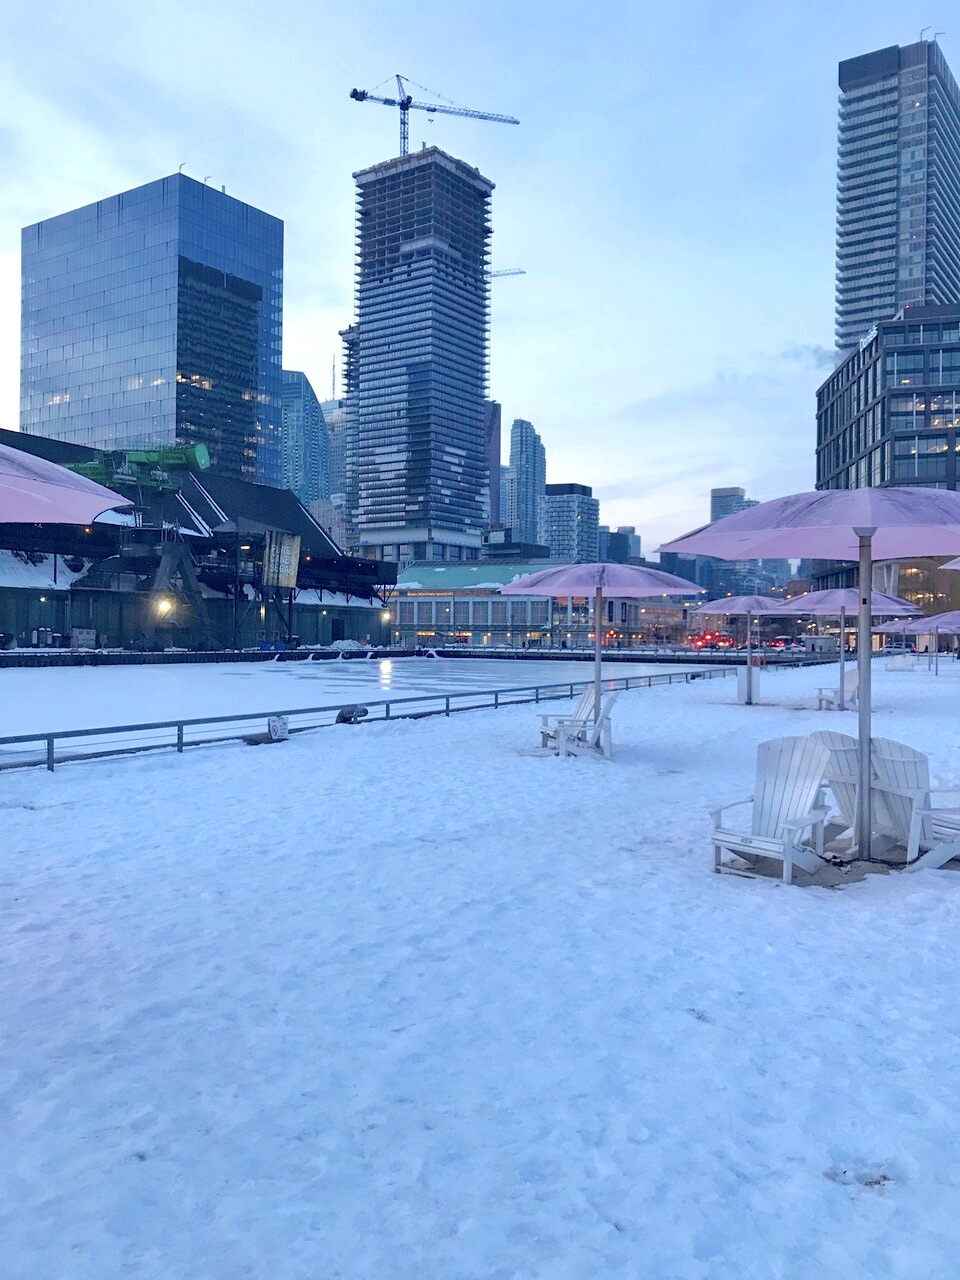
pixel 198 561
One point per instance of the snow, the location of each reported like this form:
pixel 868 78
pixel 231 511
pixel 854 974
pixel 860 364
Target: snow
pixel 17 571
pixel 412 1000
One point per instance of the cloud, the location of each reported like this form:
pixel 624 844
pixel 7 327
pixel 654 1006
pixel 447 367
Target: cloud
pixel 753 427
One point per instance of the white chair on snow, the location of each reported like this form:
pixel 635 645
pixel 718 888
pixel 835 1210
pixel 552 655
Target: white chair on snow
pixel 583 711
pixel 829 699
pixel 842 777
pixel 577 738
pixel 902 662
pixel 903 810
pixel 789 776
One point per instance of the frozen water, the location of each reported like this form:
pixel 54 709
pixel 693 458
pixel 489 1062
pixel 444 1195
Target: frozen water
pixel 45 699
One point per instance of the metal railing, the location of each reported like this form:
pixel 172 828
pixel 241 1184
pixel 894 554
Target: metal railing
pixel 127 739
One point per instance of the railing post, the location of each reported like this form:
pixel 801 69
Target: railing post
pixel 50 742
pixel 496 699
pixel 387 709
pixel 180 738
pixel 446 705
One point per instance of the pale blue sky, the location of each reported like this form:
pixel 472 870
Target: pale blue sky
pixel 670 193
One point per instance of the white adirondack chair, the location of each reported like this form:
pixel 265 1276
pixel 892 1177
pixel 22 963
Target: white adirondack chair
pixel 829 699
pixel 549 725
pixel 789 776
pixel 902 805
pixel 902 662
pixel 842 776
pixel 579 738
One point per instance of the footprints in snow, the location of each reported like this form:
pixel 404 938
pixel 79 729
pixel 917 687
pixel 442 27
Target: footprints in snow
pixel 872 1177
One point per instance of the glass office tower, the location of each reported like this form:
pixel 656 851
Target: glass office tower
pixel 306 444
pixel 154 317
pixel 528 466
pixel 898 186
pixel 417 372
pixel 890 414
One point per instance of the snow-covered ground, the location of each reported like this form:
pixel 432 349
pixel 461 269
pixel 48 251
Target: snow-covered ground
pixel 411 1000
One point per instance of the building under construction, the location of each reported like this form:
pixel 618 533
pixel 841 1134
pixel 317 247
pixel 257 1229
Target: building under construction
pixel 198 560
pixel 417 372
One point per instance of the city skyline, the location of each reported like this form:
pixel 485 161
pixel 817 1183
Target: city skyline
pixel 614 275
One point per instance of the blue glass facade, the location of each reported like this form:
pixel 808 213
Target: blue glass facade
pixel 306 442
pixel 890 414
pixel 154 317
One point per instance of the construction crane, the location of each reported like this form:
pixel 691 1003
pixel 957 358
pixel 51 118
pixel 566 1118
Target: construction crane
pixel 507 271
pixel 406 104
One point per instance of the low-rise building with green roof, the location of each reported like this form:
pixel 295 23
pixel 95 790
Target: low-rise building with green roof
pixel 446 604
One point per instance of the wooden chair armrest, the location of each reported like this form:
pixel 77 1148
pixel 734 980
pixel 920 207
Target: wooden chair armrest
pixel 715 810
pixel 811 819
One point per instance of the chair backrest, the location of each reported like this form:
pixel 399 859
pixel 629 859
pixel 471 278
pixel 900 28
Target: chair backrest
pixel 584 708
pixel 606 707
pixel 900 766
pixel 851 683
pixel 789 774
pixel 842 773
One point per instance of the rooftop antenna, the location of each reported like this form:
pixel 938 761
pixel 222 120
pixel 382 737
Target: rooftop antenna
pixel 182 163
pixel 207 178
pixel 923 29
pixel 405 102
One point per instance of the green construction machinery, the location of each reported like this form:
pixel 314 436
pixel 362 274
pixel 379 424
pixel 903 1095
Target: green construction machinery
pixel 146 468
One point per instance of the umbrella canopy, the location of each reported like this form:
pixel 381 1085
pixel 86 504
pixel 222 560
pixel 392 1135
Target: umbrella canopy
pixel 899 627
pixel 751 605
pixel 947 623
pixel 840 524
pixel 906 522
pixel 600 581
pixel 831 604
pixel 609 580
pixel 35 491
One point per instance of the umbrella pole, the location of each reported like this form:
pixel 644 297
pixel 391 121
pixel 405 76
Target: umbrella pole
pixel 936 652
pixel 597 609
pixel 843 618
pixel 749 662
pixel 864 582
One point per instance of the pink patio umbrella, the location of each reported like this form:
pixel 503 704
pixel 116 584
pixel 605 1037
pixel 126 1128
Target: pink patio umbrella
pixel 937 624
pixel 749 606
pixel 840 602
pixel 602 581
pixel 35 491
pixel 840 524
